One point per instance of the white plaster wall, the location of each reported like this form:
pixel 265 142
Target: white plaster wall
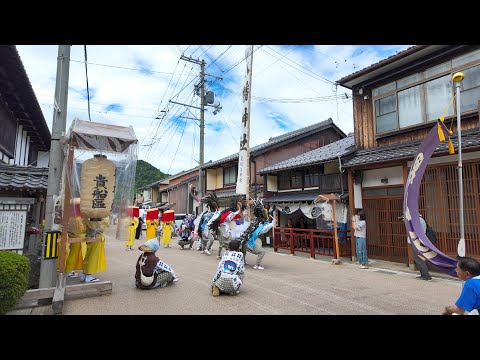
pixel 393 174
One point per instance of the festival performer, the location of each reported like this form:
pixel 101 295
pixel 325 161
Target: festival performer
pixel 77 250
pixel 259 225
pixel 152 223
pixel 226 222
pixel 151 272
pixel 208 236
pixel 133 213
pixel 167 226
pixel 230 271
pixel 95 260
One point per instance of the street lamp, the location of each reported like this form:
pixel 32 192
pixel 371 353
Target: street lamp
pixel 457 78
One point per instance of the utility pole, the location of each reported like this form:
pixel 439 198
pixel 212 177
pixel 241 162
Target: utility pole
pixel 202 121
pixel 203 103
pixel 48 267
pixel 202 132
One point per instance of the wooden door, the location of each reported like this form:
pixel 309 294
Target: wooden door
pixel 386 234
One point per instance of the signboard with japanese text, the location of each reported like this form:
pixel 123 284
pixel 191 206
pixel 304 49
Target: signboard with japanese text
pixel 12 229
pixel 97 187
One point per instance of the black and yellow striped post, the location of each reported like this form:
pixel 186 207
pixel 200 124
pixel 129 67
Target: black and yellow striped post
pixel 51 247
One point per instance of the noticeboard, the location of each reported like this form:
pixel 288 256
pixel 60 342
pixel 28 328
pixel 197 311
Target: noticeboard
pixel 12 229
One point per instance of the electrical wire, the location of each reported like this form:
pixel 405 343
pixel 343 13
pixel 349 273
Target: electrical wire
pixel 86 75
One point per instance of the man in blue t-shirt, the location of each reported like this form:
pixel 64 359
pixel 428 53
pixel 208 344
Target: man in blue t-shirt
pixel 468 270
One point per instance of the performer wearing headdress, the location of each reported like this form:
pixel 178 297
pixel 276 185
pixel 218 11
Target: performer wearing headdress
pixel 225 222
pixel 207 236
pixel 259 225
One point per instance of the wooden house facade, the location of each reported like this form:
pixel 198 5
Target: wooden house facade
pixel 395 103
pixel 221 175
pixel 24 153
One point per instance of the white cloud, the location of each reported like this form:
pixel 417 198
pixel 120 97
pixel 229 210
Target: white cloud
pixel 292 73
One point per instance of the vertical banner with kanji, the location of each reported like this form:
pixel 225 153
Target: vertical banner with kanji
pixel 244 153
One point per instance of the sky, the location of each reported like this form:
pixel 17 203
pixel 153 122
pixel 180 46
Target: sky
pixel 293 86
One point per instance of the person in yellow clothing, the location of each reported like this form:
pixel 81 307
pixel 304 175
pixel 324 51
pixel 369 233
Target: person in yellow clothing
pixel 132 223
pixel 167 233
pixel 151 228
pixel 95 260
pixel 75 251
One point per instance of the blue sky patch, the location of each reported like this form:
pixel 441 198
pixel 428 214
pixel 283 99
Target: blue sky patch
pixel 143 67
pixel 114 107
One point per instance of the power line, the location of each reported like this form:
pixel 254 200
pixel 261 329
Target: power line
pixel 127 68
pixel 86 75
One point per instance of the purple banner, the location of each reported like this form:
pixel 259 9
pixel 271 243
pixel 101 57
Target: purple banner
pixel 421 245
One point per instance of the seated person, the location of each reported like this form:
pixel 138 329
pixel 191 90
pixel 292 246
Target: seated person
pixel 186 237
pixel 151 272
pixel 230 271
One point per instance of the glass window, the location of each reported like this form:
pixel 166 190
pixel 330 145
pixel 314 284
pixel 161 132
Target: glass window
pixel 284 181
pixel 428 100
pixel 384 89
pixel 395 190
pixel 230 175
pixel 409 80
pixel 375 192
pixel 446 66
pixel 466 58
pixel 296 180
pixel 438 95
pixel 409 107
pixel 311 179
pixel 470 89
pixel 385 114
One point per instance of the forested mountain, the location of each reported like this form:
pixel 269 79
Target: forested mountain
pixel 147 174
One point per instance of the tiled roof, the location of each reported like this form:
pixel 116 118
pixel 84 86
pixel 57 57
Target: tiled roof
pixel 274 141
pixel 408 150
pixel 382 62
pixel 318 156
pixel 13 177
pixel 293 196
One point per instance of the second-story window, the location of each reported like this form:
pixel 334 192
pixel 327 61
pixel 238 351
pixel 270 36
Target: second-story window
pixel 230 175
pixel 311 178
pixel 425 96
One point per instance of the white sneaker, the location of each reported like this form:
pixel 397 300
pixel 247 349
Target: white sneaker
pixel 207 252
pixel 258 267
pixel 175 279
pixel 90 279
pixel 72 274
pixel 165 245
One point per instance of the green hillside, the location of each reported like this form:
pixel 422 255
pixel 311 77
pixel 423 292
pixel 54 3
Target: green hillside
pixel 147 174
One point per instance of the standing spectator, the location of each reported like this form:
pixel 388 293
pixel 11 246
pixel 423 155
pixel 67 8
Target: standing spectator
pixel 360 226
pixel 421 264
pixel 300 224
pixel 468 270
pixel 138 230
pixel 290 223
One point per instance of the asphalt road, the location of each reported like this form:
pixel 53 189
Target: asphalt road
pixel 293 285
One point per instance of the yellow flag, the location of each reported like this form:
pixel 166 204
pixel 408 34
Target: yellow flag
pixel 451 150
pixel 441 136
